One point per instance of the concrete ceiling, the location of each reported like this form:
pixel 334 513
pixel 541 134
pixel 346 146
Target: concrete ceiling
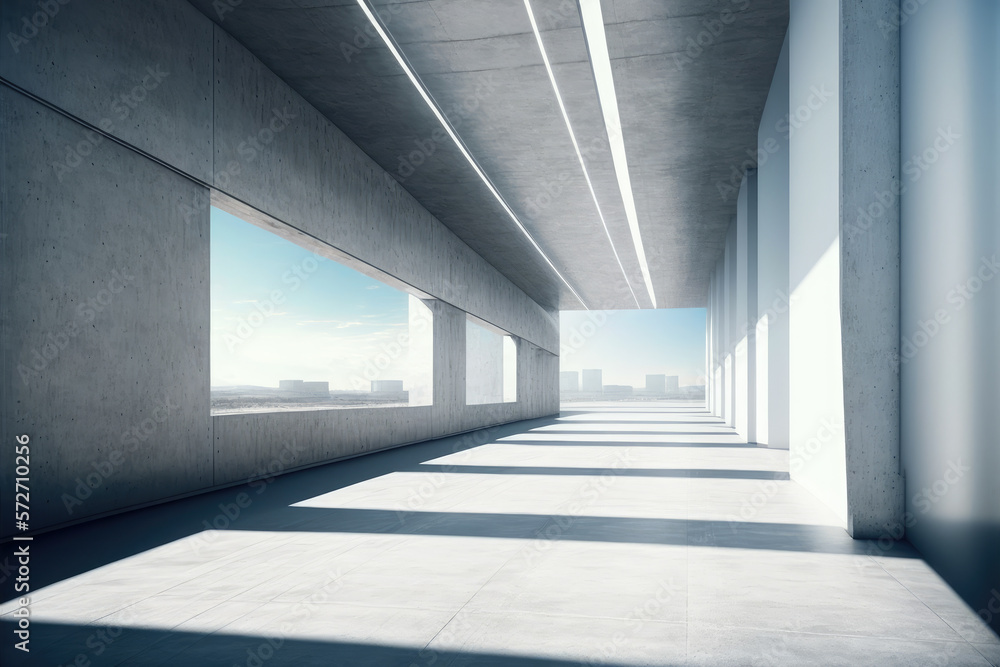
pixel 689 116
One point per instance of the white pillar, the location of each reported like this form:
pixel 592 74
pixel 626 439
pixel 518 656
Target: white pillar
pixel 816 395
pixel 772 254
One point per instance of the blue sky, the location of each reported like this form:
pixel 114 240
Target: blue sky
pixel 631 343
pixel 280 312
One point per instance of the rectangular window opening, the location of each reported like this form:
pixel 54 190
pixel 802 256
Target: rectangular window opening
pixel 490 363
pixel 298 325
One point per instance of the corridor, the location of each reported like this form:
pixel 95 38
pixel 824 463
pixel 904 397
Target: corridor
pixel 618 533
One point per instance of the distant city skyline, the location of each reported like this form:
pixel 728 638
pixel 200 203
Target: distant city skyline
pixel 627 345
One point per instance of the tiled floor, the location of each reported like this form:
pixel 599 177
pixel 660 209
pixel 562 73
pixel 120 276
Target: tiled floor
pixel 623 534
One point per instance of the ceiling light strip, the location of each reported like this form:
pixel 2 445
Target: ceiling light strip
pixel 446 124
pixel 576 145
pixel 600 60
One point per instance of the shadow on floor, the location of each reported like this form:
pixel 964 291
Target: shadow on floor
pixel 622 443
pixel 626 433
pixel 624 530
pixel 95 645
pixel 704 473
pixel 714 422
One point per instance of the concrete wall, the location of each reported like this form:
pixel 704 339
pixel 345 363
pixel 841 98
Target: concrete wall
pixel 104 321
pixel 951 293
pixel 816 396
pixel 772 260
pixel 118 119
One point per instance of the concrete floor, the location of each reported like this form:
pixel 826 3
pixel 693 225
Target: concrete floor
pixel 619 533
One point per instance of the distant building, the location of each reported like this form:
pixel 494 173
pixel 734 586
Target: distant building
pixel 593 381
pixel 383 386
pixel 672 384
pixel 656 384
pixel 305 388
pixel 569 381
pixel 617 390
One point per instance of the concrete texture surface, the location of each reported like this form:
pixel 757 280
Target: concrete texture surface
pixel 869 265
pixel 118 117
pixel 691 80
pixel 104 322
pixel 106 261
pixel 311 176
pixel 615 534
pixel 144 76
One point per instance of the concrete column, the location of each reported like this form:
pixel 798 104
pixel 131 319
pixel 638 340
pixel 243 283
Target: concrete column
pixel 746 304
pixel 709 357
pixel 732 323
pixel 739 330
pixel 420 353
pixel 720 338
pixel 525 369
pixel 771 344
pixel 720 326
pixel 512 368
pixel 816 396
pixel 750 322
pixel 869 264
pixel 844 259
pixel 711 324
pixel 449 356
pixel 708 347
